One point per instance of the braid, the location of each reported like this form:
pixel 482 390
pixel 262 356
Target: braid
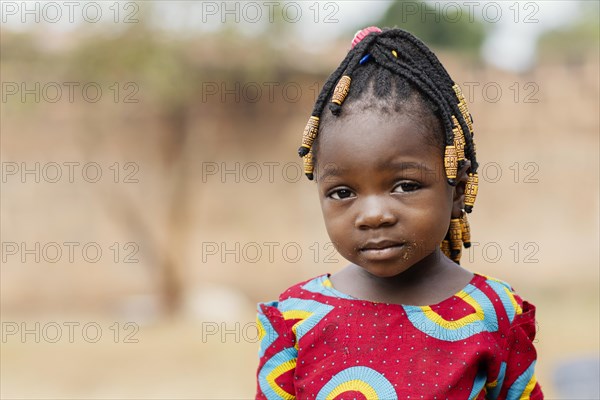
pixel 435 68
pixel 358 53
pixel 325 91
pixel 422 82
pixel 312 127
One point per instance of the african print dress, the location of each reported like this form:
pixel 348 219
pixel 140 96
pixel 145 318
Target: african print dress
pixel 319 343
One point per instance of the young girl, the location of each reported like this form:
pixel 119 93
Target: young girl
pixel 390 145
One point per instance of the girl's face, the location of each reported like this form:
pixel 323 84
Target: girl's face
pixel 383 191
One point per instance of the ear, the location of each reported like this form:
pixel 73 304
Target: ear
pixel 458 198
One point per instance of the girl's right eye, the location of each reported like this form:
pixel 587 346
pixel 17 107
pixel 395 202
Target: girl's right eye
pixel 341 194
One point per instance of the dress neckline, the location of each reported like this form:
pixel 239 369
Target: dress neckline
pixel 327 285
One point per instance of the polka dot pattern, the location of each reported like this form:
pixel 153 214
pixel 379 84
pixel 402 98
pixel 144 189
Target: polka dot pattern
pixel 351 348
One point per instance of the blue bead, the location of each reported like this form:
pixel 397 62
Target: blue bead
pixel 364 59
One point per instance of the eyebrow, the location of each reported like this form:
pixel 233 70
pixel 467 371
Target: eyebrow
pixel 331 170
pixel 405 165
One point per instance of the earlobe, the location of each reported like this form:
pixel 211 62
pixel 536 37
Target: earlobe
pixel 459 190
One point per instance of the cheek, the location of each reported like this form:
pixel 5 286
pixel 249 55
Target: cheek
pixel 433 212
pixel 331 218
pixel 336 223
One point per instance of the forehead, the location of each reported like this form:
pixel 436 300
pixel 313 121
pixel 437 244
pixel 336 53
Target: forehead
pixel 371 139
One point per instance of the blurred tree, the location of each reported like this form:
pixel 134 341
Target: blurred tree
pixel 170 69
pixel 576 41
pixel 438 24
pixel 170 72
pixel 163 74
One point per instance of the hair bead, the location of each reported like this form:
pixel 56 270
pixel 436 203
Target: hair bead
pixel 471 191
pixel 459 139
pixel 309 165
pixel 341 90
pixel 455 240
pixel 451 163
pixel 462 106
pixel 465 230
pixel 455 233
pixel 445 246
pixel 308 137
pixel 360 35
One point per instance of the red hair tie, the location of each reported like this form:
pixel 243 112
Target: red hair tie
pixel 360 35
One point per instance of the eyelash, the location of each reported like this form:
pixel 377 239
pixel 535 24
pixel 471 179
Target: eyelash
pixel 412 186
pixel 337 191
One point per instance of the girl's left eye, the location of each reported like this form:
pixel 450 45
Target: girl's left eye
pixel 407 187
pixel 341 194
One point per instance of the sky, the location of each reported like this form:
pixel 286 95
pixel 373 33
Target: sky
pixel 514 25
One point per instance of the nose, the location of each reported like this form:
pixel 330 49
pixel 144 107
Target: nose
pixel 375 212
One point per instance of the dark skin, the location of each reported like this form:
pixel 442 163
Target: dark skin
pixel 387 206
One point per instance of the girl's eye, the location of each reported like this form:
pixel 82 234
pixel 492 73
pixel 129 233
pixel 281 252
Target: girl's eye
pixel 341 194
pixel 407 187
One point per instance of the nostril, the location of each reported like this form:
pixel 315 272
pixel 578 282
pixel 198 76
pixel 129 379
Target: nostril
pixel 375 221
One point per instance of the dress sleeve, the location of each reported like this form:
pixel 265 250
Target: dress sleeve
pixel 277 354
pixel 517 374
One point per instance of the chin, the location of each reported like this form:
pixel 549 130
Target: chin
pixel 384 271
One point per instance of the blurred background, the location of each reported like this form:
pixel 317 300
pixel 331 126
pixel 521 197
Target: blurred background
pixel 151 193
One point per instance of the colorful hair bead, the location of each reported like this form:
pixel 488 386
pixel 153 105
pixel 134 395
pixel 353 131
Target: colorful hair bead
pixel 450 163
pixel 364 59
pixel 308 137
pixel 341 90
pixel 360 35
pixel 394 53
pixel 471 191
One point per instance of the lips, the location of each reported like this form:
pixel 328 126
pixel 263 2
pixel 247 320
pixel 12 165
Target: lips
pixel 380 245
pixel 382 250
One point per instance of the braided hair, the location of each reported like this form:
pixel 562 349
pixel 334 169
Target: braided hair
pixel 395 66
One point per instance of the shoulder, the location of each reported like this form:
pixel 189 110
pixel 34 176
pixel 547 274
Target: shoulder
pixel 307 289
pixel 303 291
pixel 502 298
pixel 297 309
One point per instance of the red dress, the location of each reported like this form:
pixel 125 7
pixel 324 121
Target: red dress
pixel 319 343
